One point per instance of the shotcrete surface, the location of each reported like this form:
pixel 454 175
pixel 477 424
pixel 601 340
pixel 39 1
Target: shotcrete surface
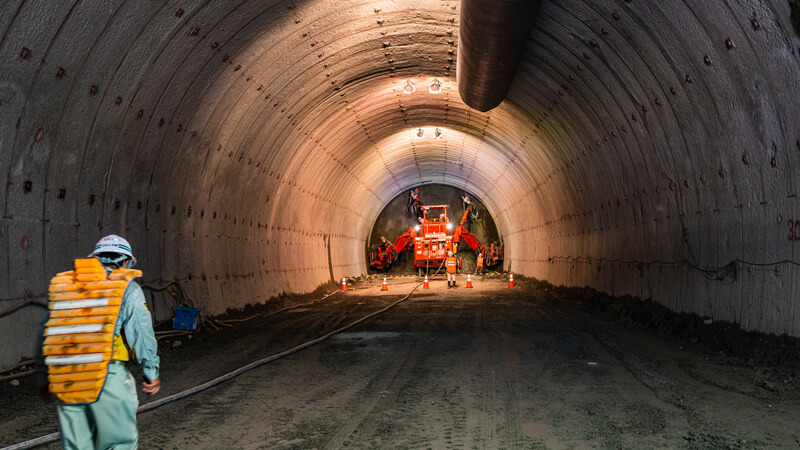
pixel 490 367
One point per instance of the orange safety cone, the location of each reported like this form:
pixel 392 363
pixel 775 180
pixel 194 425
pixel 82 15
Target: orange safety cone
pixel 384 287
pixel 511 279
pixel 469 280
pixel 344 284
pixel 425 285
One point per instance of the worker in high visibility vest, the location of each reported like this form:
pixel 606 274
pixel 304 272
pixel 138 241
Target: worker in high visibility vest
pixel 479 262
pixel 104 415
pixel 451 270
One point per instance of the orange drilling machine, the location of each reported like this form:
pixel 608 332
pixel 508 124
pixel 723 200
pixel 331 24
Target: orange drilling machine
pixel 431 240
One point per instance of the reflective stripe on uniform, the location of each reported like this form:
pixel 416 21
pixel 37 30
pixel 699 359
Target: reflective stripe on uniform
pixel 73 359
pixel 69 329
pixel 81 303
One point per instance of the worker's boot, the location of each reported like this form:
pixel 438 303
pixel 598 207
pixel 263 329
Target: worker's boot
pixel 448 285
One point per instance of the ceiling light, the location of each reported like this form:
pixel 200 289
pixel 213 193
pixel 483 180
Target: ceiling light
pixel 420 133
pixel 409 88
pixel 435 87
pixel 437 133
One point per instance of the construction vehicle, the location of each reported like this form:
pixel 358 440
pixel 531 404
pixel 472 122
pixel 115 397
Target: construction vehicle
pixel 382 256
pixel 431 240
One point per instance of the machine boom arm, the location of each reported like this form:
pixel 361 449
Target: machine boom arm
pixel 383 257
pixel 492 254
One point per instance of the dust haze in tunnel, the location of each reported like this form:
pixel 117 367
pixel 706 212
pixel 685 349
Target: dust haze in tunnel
pixel 246 148
pixel 395 219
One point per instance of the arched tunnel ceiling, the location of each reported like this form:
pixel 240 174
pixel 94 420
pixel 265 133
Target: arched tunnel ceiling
pixel 246 147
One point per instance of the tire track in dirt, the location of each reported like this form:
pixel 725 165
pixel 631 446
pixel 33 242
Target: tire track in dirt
pixel 435 392
pixel 368 399
pixel 428 409
pixel 440 394
pixel 643 368
pixel 482 383
pixel 257 339
pixel 499 359
pixel 230 400
pixel 421 397
pixel 422 406
pixel 524 369
pixel 177 425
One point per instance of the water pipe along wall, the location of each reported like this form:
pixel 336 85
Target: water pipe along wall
pixel 246 148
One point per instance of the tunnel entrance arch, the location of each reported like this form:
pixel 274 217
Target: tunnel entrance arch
pixel 395 219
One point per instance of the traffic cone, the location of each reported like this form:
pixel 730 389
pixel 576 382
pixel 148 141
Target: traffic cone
pixel 425 285
pixel 344 284
pixel 384 287
pixel 511 279
pixel 469 280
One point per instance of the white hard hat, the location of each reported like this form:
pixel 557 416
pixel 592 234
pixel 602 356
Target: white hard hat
pixel 114 244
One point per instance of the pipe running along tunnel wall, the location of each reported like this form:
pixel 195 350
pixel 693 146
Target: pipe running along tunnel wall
pixel 642 148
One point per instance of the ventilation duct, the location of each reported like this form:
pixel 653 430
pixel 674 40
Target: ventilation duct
pixel 492 37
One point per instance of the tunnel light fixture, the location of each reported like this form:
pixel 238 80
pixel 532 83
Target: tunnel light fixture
pixel 435 133
pixel 409 87
pixel 435 86
pixel 449 226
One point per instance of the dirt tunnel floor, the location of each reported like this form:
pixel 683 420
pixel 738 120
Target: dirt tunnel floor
pixel 489 367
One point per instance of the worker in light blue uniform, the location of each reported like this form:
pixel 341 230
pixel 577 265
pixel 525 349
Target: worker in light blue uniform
pixel 110 422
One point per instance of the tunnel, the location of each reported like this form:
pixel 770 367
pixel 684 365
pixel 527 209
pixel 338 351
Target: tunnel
pixel 246 148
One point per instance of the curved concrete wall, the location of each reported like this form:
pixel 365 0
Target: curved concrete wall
pixel 643 146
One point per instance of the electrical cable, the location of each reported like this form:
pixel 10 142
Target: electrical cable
pixel 676 262
pixel 18 365
pixel 274 312
pixel 440 265
pixel 727 272
pixel 181 299
pixel 47 439
pixel 22 305
pixel 14 376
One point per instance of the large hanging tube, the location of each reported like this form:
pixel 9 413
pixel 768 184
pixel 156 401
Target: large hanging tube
pixel 492 37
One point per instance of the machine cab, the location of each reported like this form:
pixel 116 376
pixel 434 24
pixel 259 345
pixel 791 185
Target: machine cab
pixel 434 237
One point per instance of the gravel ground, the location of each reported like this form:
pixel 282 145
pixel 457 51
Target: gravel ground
pixel 490 367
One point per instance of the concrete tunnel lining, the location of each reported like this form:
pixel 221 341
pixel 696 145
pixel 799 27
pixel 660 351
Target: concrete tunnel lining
pixel 642 148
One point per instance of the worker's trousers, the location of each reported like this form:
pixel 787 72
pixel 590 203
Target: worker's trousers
pixel 108 423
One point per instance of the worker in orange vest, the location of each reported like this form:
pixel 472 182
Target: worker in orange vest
pixel 110 420
pixel 451 269
pixel 479 261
